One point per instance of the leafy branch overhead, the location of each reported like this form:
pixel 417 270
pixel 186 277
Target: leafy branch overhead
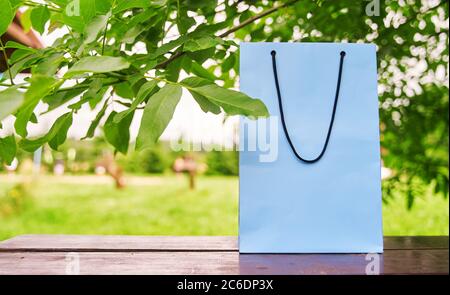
pixel 120 56
pixel 96 62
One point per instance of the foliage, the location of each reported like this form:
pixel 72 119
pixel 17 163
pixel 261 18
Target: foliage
pixel 80 157
pixel 412 41
pixel 222 163
pixel 156 159
pixel 411 35
pixel 15 199
pixel 96 61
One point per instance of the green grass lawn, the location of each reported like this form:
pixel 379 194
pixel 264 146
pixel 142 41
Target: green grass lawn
pixel 162 206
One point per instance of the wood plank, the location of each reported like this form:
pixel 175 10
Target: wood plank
pixel 226 263
pixel 416 262
pixel 83 243
pixel 131 263
pixel 415 242
pixel 391 262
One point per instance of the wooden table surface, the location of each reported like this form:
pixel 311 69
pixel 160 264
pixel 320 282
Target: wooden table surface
pixel 57 254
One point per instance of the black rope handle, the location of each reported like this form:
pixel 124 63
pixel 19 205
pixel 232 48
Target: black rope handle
pixel 280 104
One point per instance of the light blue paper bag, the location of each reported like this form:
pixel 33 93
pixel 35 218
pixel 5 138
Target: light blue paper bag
pixel 332 205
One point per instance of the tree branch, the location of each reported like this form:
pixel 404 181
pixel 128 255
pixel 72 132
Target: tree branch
pixel 6 61
pixel 230 31
pixel 256 17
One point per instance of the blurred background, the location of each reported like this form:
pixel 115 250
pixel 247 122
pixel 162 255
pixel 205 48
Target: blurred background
pixel 84 188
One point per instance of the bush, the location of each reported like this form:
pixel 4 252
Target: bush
pixel 14 199
pixel 222 163
pixel 154 160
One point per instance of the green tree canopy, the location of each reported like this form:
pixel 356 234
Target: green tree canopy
pixel 97 58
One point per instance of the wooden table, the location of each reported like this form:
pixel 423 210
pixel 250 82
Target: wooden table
pixel 64 254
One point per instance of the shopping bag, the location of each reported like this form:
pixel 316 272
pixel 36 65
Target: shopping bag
pixel 310 174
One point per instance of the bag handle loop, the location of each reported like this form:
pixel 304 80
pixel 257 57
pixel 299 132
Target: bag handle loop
pixel 280 104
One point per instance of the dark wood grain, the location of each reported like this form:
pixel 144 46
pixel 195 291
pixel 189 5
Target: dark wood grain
pixel 391 262
pixel 51 254
pixel 416 242
pixel 83 243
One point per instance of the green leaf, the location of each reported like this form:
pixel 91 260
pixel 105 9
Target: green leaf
pixel 50 65
pixel 39 17
pixel 200 71
pixel 144 92
pixel 205 42
pixel 8 149
pixel 33 118
pixel 93 29
pixel 6 15
pixel 195 82
pixel 40 86
pixel 91 131
pixel 10 100
pixel 131 34
pixel 55 137
pixel 195 4
pixel 165 48
pixel 173 69
pixel 159 3
pixel 22 64
pixel 87 9
pixel 103 6
pixel 123 5
pixel 94 94
pixel 205 104
pixel 59 98
pixel 232 102
pixel 18 55
pixel 60 135
pixel 184 22
pixel 15 45
pixel 124 90
pixel 25 20
pixel 229 63
pixel 16 3
pixel 202 55
pixel 97 64
pixel 94 88
pixel 75 22
pixel 157 114
pixel 118 134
